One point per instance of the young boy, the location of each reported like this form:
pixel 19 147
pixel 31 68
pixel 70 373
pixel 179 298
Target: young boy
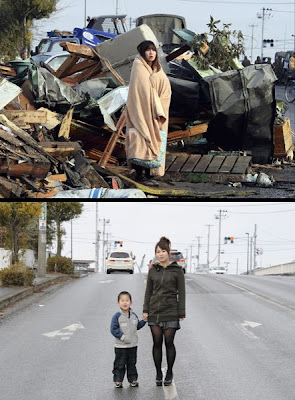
pixel 124 327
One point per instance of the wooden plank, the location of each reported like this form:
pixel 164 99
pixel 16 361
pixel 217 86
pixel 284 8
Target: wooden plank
pixel 228 164
pixel 69 63
pixel 194 130
pixel 170 159
pixel 241 165
pixel 215 164
pixel 66 124
pixel 29 117
pixel 178 163
pixel 191 163
pixel 203 163
pixel 79 50
pixel 81 66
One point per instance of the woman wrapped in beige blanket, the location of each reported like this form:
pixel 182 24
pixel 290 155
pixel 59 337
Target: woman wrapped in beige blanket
pixel 147 112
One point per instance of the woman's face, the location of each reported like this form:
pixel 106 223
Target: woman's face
pixel 162 255
pixel 150 55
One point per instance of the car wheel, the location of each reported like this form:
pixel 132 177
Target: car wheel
pixel 184 270
pixel 131 272
pixel 108 271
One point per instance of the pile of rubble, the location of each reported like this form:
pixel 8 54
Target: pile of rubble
pixel 61 133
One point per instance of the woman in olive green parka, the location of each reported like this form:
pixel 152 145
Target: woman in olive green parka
pixel 164 306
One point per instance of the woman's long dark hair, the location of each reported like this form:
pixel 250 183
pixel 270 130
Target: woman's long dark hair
pixel 164 244
pixel 146 45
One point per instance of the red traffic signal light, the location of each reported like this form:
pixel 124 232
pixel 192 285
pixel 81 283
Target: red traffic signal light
pixel 231 239
pixel 121 243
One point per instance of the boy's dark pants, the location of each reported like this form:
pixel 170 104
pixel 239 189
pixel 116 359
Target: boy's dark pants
pixel 125 360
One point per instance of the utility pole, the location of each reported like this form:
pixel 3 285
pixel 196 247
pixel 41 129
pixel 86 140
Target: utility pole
pixel 191 246
pixel 85 14
pixel 71 239
pixel 198 265
pixel 237 272
pixel 252 39
pixel 255 243
pixel 265 14
pixel 41 272
pixel 208 246
pixel 96 238
pixel 117 7
pixel 247 233
pixel 251 254
pixel 221 214
pixel 105 221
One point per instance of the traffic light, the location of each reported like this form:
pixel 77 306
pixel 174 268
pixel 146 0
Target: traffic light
pixel 228 238
pixel 271 42
pixel 121 243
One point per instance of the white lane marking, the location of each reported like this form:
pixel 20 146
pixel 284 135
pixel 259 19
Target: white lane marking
pixel 108 281
pixel 243 327
pixel 170 391
pixel 41 305
pixel 251 324
pixel 64 335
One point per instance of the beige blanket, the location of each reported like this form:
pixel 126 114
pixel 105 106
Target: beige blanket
pixel 149 98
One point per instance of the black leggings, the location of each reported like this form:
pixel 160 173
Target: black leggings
pixel 139 171
pixel 158 334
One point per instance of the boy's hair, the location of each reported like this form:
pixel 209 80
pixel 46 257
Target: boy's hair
pixel 124 293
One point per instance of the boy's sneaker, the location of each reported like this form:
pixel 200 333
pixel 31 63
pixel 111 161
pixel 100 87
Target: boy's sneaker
pixel 118 384
pixel 134 384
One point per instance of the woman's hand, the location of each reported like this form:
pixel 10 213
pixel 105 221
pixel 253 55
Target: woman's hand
pixel 145 316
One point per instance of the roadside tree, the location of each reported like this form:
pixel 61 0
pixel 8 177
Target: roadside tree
pixel 16 218
pixel 59 212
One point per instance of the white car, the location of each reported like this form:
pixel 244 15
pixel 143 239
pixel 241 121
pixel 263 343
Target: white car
pixel 120 260
pixel 217 270
pixel 53 59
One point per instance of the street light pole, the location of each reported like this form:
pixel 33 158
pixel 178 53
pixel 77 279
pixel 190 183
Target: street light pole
pixel 221 214
pixel 247 233
pixel 208 246
pixel 41 272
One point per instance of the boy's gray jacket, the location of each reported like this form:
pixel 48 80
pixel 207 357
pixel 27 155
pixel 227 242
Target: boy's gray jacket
pixel 124 327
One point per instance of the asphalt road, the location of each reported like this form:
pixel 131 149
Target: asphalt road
pixel 237 342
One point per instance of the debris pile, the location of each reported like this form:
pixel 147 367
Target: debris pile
pixel 61 134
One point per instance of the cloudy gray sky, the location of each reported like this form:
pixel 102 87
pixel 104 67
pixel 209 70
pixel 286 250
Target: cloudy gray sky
pixel 140 225
pixel 279 25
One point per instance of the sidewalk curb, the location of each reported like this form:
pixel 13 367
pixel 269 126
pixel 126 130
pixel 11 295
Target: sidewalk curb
pixel 25 292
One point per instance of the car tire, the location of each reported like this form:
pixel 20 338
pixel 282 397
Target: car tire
pixel 131 272
pixel 108 271
pixel 184 270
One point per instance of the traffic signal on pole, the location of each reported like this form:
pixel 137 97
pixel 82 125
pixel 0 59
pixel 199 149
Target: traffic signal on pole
pixel 121 243
pixel 228 238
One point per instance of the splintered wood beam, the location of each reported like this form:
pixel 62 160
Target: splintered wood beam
pixel 79 50
pixel 66 66
pixel 194 130
pixel 81 66
pixel 29 117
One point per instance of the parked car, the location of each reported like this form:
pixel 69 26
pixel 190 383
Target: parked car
pixel 175 255
pixel 120 260
pixel 54 60
pixel 217 270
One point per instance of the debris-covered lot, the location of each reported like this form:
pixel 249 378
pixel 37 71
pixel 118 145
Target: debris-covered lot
pixel 61 135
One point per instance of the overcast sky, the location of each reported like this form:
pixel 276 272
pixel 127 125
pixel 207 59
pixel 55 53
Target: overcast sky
pixel 140 225
pixel 279 25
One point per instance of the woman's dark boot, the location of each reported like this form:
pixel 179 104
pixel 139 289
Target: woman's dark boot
pixel 168 379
